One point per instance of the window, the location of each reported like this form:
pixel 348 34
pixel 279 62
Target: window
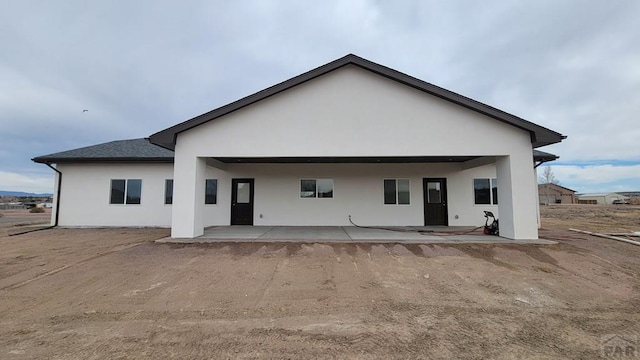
pixel 396 192
pixel 316 188
pixel 434 192
pixel 168 191
pixel 117 191
pixel 211 191
pixel 485 191
pixel 125 191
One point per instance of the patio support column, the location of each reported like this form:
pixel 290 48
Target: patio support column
pixel 188 196
pixel 516 197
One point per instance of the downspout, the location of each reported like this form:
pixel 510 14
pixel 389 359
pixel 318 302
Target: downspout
pixel 55 223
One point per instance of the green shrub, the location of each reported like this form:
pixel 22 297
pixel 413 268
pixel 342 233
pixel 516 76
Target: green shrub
pixel 36 210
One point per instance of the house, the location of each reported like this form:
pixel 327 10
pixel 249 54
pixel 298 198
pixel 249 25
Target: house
pixel 119 183
pixel 634 196
pixel 602 198
pixel 351 139
pixel 555 194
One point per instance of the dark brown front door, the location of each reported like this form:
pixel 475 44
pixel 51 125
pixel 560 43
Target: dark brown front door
pixel 242 202
pixel 435 201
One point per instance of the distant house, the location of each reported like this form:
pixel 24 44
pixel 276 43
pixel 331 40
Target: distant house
pixel 601 198
pixel 350 139
pixel 630 193
pixel 555 194
pixel 634 196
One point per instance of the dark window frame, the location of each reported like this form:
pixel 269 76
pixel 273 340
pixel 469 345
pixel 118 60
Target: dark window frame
pixel 117 195
pixel 391 193
pixel 311 187
pixel 126 189
pixel 486 193
pixel 211 191
pixel 168 191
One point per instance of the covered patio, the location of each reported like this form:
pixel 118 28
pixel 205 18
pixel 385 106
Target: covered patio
pixel 350 234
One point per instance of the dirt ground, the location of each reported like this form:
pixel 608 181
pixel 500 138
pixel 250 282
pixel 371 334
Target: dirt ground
pixel 114 294
pixel 597 218
pixel 19 218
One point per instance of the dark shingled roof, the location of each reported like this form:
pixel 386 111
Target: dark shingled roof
pixel 134 150
pixel 540 136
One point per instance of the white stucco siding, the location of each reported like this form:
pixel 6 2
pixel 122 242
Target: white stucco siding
pixel 86 189
pixel 352 112
pixel 358 191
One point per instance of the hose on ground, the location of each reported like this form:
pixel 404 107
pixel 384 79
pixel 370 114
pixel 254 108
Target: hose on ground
pixel 422 232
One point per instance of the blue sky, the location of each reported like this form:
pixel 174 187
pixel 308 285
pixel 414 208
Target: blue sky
pixel 142 66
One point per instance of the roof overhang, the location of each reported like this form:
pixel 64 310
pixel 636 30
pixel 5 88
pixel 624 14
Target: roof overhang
pixel 540 136
pixel 345 159
pixel 120 151
pixel 132 160
pixel 541 157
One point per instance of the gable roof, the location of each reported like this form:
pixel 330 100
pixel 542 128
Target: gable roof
pixel 540 136
pixel 133 150
pixel 557 186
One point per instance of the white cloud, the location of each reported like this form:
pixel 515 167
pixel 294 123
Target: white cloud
pixel 10 181
pixel 142 66
pixel 598 178
pixel 27 98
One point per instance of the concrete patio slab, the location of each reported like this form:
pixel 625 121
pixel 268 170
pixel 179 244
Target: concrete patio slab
pixel 356 233
pixel 236 232
pixel 347 234
pixel 335 233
